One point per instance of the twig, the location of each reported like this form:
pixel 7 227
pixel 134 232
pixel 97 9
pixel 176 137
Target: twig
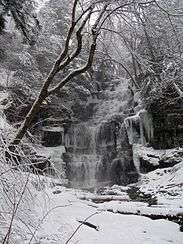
pixel 43 218
pixel 80 226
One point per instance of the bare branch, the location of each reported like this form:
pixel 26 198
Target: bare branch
pixel 80 226
pixel 178 90
pixel 68 38
pixel 79 43
pixel 74 10
pixel 95 32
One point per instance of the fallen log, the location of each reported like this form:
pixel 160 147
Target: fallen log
pixel 176 218
pixel 105 198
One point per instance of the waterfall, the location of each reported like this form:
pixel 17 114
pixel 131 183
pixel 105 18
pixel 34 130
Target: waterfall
pixel 94 158
pixel 91 150
pixel 81 141
pixel 97 154
pixel 83 171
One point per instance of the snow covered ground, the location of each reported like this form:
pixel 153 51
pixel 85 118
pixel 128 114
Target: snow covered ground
pixel 52 212
pixel 61 223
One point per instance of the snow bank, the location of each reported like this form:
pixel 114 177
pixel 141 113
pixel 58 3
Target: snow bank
pixel 140 208
pixel 6 130
pixel 166 184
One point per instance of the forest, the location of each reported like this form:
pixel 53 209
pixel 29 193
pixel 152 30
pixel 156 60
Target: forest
pixel 91 121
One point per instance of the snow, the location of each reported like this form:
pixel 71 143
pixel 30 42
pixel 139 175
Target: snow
pixel 140 208
pixel 166 184
pixel 51 151
pixel 154 157
pixel 53 211
pixel 113 228
pixel 3 96
pixel 6 130
pixel 49 212
pixel 140 151
pixel 3 123
pixel 40 4
pixel 54 129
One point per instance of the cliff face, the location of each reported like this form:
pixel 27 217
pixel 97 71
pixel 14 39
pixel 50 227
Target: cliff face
pixel 160 126
pixel 153 132
pixel 168 129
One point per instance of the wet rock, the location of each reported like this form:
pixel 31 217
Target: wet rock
pixel 158 159
pixel 123 172
pixel 136 195
pixel 146 165
pixel 52 136
pixel 57 192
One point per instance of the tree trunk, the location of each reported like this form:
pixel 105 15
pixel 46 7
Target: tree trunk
pixel 30 116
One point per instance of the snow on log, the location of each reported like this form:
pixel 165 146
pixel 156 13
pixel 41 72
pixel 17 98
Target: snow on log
pixel 141 209
pixel 105 198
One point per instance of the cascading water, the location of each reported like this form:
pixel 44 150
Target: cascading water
pixel 82 145
pixel 91 151
pixel 96 155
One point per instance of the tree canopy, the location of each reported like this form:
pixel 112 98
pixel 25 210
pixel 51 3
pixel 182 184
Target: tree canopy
pixel 23 14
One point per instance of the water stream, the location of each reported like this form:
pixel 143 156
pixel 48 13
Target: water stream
pixel 94 158
pixel 95 154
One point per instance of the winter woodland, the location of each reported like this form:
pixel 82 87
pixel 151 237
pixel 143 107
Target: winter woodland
pixel 91 121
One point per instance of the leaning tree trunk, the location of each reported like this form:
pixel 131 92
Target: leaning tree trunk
pixel 28 119
pixel 12 154
pixel 35 108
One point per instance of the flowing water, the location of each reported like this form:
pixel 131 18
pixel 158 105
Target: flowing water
pixel 91 150
pixel 92 146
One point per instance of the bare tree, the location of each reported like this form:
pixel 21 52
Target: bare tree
pixel 77 27
pixel 83 12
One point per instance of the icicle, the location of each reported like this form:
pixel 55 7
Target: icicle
pixel 136 157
